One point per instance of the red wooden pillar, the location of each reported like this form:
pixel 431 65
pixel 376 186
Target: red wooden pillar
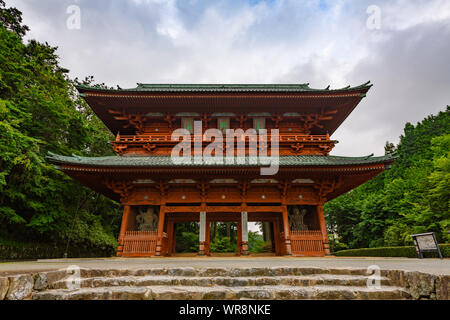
pixel 161 219
pixel 276 236
pixel 287 233
pixel 123 229
pixel 174 238
pixel 170 237
pixel 323 229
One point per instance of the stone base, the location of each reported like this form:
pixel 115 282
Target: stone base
pixel 223 283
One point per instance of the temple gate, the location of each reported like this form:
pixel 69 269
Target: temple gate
pixel 157 193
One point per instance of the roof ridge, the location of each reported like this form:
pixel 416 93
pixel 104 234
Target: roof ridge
pixel 302 87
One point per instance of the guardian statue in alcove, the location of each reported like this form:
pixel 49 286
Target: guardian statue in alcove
pixel 147 219
pixel 296 219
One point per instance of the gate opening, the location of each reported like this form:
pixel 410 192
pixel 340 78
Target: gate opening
pixel 186 237
pixel 223 238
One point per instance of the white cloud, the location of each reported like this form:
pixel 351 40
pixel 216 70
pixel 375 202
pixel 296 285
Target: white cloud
pixel 320 42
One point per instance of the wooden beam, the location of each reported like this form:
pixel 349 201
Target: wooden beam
pixel 238 209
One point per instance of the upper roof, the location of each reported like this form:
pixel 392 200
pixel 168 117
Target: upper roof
pixel 211 98
pixel 145 87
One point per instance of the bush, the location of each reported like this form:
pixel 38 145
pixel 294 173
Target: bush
pixel 257 244
pixel 338 246
pixel 407 251
pixel 188 242
pixel 222 244
pixel 336 243
pixel 33 251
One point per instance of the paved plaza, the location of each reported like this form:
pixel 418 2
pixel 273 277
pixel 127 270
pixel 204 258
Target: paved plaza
pixel 432 266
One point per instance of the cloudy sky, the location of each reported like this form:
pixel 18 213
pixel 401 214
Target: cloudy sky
pixel 402 46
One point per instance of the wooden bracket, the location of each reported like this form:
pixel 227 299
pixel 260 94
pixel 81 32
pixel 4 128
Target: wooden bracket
pixel 170 119
pixel 123 188
pixel 311 120
pixel 162 187
pixel 242 117
pixel 297 147
pixel 277 118
pixel 325 187
pixel 119 148
pixel 326 147
pixel 206 118
pixel 149 147
pixel 135 120
pixel 203 186
pixel 284 187
pixel 244 186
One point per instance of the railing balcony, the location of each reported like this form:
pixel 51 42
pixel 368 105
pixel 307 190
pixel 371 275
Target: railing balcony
pixel 290 144
pixel 168 138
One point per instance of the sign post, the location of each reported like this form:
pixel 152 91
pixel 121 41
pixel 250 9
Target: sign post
pixel 426 242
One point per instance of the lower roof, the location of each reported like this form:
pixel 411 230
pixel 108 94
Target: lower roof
pixel 166 161
pixel 93 172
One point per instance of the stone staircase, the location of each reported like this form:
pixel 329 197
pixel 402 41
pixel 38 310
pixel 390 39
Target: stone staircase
pixel 212 283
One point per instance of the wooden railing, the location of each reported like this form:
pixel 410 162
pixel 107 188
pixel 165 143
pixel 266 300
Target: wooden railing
pixel 144 138
pixel 304 138
pixel 306 233
pixel 168 138
pixel 140 243
pixel 307 243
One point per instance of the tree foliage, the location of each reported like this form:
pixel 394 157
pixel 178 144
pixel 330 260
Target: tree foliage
pixel 223 238
pixel 41 112
pixel 412 197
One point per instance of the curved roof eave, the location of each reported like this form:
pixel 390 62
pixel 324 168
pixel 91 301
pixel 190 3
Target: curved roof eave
pixel 166 162
pixel 176 88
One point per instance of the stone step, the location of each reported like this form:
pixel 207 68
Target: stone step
pixel 222 292
pixel 141 281
pixel 229 272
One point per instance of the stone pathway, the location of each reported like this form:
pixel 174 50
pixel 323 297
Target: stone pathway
pixel 431 266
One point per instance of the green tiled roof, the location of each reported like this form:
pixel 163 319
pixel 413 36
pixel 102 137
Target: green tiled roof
pixel 165 161
pixel 141 87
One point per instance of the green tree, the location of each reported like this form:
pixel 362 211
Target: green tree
pixel 41 112
pixel 410 198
